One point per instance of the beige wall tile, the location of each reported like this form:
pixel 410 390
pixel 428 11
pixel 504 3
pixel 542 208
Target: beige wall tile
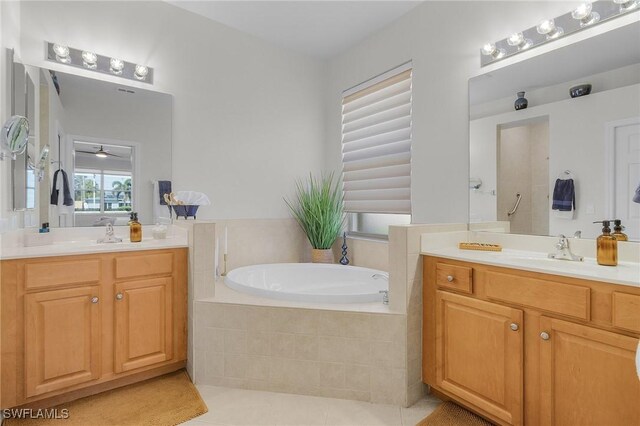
pixel 357 351
pixel 332 374
pixel 358 377
pixel 306 347
pixel 235 341
pixel 258 318
pixel 258 343
pixel 282 345
pixel 235 366
pixel 390 328
pixel 294 321
pixel 257 368
pixel 331 349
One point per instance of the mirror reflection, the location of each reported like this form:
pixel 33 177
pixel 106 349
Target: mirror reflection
pixel 97 151
pixel 559 163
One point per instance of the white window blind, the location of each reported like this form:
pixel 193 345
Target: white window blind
pixel 376 144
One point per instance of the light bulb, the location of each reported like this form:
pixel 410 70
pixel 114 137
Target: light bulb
pixel 549 29
pixel 626 5
pixel 62 53
pixel 89 59
pixel 101 154
pixel 584 14
pixel 518 40
pixel 141 72
pixel 116 65
pixel 490 49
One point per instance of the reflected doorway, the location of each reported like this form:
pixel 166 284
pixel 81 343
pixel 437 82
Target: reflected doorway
pixel 523 176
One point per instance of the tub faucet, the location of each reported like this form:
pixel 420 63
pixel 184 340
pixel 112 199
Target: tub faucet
pixel 563 251
pixel 385 296
pixel 378 276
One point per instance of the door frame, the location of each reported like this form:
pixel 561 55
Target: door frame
pixel 610 161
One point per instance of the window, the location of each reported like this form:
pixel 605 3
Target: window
pixel 376 152
pixel 96 191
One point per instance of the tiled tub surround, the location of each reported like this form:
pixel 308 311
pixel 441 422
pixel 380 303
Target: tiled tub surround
pixel 352 355
pixel 345 351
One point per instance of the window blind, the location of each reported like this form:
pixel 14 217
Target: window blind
pixel 376 144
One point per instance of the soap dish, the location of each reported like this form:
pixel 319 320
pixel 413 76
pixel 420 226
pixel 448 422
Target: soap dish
pixel 480 246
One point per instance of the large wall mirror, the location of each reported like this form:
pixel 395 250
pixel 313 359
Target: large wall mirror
pixel 107 145
pixel 591 143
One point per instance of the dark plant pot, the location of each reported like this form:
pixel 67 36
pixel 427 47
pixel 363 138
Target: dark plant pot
pixel 580 90
pixel 521 102
pixel 186 211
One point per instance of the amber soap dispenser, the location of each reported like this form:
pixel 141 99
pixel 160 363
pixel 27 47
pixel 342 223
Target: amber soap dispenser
pixel 607 246
pixel 617 231
pixel 135 229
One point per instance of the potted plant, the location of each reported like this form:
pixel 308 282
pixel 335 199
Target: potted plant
pixel 317 206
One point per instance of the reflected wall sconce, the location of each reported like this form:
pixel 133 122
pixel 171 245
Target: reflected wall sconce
pixel 90 60
pixel 585 15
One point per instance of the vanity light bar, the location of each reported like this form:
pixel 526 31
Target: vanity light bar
pixel 585 15
pixel 103 64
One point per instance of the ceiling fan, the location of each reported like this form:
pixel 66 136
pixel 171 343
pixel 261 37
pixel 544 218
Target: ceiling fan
pixel 100 153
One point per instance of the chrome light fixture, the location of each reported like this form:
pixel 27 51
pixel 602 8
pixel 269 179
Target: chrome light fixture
pixel 519 41
pixel 626 5
pixel 490 49
pixel 141 72
pixel 548 28
pixel 89 60
pixel 586 14
pixel 62 53
pixel 116 66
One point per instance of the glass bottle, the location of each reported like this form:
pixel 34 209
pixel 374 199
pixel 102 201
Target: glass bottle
pixel 135 229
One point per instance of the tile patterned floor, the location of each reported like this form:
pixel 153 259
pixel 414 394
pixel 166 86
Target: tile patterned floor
pixel 238 407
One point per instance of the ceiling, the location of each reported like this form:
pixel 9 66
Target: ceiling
pixel 318 28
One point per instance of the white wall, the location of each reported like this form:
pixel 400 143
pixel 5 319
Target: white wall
pixel 575 144
pixel 443 40
pixel 248 116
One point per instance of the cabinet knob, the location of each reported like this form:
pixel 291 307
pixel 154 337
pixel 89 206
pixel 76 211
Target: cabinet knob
pixel 94 299
pixel 450 278
pixel 119 296
pixel 514 326
pixel 545 336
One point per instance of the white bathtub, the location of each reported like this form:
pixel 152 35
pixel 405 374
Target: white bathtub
pixel 309 282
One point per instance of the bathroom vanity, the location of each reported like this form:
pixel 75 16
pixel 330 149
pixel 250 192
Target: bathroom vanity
pixel 523 347
pixel 75 325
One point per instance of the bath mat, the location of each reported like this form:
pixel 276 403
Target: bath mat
pixel 450 414
pixel 162 401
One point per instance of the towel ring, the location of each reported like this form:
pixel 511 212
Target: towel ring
pixel 567 174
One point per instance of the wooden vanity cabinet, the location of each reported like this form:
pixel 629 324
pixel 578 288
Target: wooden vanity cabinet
pixel 525 348
pixel 77 325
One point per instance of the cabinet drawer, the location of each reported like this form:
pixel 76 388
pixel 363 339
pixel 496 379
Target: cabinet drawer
pixel 626 311
pixel 146 264
pixel 49 274
pixel 550 296
pixel 458 278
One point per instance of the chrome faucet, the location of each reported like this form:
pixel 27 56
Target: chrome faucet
pixel 563 251
pixel 378 276
pixel 577 234
pixel 384 293
pixel 109 236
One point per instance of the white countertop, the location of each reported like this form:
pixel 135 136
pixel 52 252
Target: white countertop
pixel 626 273
pixel 76 241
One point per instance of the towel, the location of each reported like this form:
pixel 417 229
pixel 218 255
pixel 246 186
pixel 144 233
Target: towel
pixel 636 196
pixel 164 187
pixel 564 195
pixel 67 199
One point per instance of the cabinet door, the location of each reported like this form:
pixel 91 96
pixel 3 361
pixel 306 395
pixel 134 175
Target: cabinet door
pixel 143 323
pixel 62 339
pixel 587 376
pixel 479 354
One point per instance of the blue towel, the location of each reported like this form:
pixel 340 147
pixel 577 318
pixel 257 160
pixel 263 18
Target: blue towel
pixel 564 195
pixel 164 187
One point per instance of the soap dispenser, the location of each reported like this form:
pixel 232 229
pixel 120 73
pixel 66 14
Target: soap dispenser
pixel 607 246
pixel 617 231
pixel 135 229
